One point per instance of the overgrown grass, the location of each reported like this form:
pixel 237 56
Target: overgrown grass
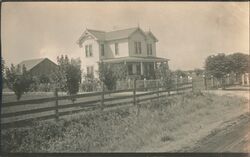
pixel 121 129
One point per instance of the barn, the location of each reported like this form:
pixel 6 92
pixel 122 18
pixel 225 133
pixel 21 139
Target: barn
pixel 39 67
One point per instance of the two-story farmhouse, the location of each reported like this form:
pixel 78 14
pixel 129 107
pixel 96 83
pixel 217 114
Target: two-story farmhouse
pixel 132 47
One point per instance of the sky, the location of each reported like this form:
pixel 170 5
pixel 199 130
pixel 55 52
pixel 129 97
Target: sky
pixel 188 32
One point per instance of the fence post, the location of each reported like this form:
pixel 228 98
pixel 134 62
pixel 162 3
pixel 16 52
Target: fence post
pixel 158 89
pixel 56 104
pixel 205 82
pixel 102 97
pixel 134 92
pixel 212 79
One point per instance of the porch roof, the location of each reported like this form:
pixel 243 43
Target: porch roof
pixel 135 59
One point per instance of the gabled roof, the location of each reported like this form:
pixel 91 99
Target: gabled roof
pixel 120 34
pixel 29 64
pixel 114 35
pixel 149 33
pixel 100 35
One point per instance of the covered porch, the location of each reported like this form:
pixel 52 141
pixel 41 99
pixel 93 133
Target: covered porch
pixel 139 67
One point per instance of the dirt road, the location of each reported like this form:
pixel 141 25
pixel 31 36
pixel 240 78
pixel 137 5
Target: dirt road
pixel 232 136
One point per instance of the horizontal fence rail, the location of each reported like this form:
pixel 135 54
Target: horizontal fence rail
pixel 102 100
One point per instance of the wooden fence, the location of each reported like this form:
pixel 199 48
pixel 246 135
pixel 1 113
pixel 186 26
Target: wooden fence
pixel 21 113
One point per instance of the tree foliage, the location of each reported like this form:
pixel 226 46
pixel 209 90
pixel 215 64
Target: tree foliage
pixel 68 75
pixel 3 67
pixel 107 76
pixel 198 72
pixel 163 73
pixel 219 65
pixel 239 63
pixel 180 73
pixel 18 80
pixel 120 71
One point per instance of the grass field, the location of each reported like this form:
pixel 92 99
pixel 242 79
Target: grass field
pixel 167 125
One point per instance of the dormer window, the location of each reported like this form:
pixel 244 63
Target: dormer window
pixel 88 50
pixel 137 47
pixel 149 49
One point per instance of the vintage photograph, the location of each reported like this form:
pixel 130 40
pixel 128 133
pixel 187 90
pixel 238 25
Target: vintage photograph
pixel 80 77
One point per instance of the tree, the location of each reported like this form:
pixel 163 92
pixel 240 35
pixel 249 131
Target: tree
pixel 68 76
pixel 163 73
pixel 3 72
pixel 218 66
pixel 3 67
pixel 107 76
pixel 18 80
pixel 180 73
pixel 239 63
pixel 198 72
pixel 120 71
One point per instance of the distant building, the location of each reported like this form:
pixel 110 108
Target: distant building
pixel 132 47
pixel 39 67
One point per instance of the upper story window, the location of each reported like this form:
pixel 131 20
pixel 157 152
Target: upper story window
pixel 88 50
pixel 149 49
pixel 137 47
pixel 102 50
pixel 116 49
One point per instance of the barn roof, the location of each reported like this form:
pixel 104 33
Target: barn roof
pixel 29 64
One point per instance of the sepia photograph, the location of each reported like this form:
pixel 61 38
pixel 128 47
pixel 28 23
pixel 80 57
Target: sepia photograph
pixel 125 77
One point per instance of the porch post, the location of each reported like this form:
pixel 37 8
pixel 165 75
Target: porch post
pixel 142 68
pixel 125 63
pixel 243 79
pixel 247 78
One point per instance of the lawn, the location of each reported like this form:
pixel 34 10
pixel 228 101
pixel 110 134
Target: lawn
pixel 168 124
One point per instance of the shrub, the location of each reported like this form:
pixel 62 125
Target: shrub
pixel 18 80
pixel 90 85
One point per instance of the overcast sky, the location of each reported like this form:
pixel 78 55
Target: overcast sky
pixel 187 31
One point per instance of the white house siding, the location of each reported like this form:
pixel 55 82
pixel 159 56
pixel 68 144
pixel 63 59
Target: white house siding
pixel 90 61
pixel 138 36
pixel 122 46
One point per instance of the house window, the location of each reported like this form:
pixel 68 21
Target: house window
pixel 102 50
pixel 137 47
pixel 149 49
pixel 88 51
pixel 116 49
pixel 90 71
